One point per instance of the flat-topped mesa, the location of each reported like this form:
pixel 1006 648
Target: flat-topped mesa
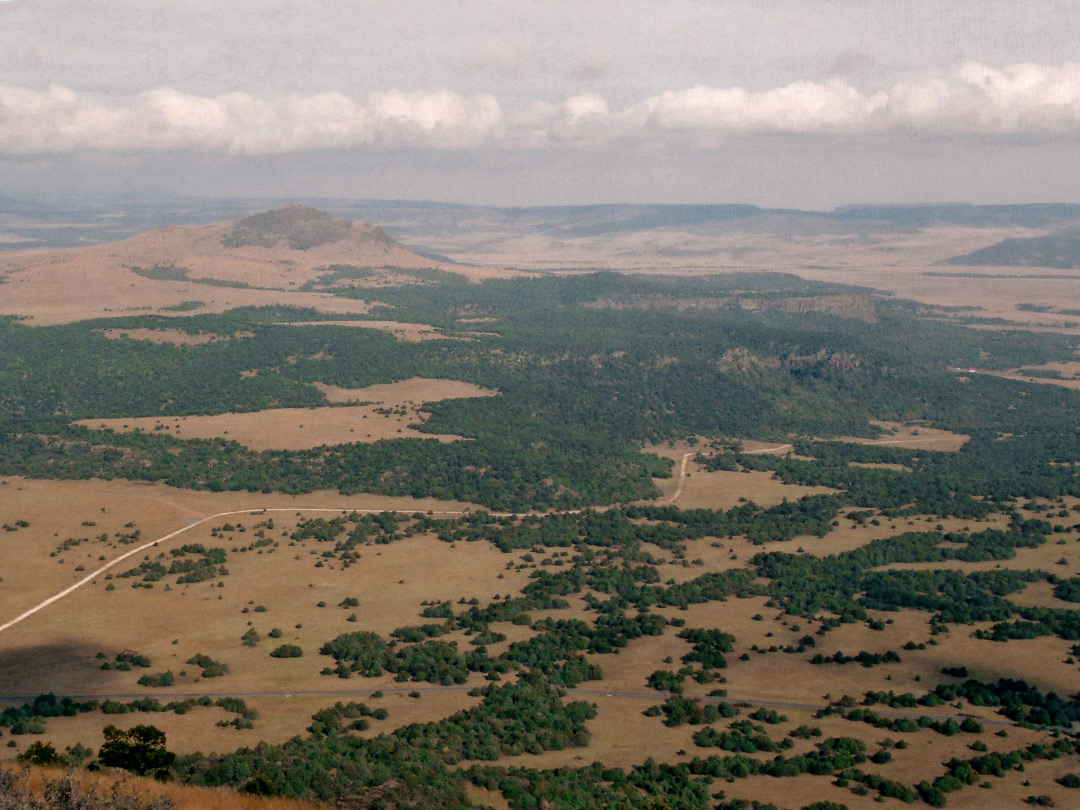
pixel 300 227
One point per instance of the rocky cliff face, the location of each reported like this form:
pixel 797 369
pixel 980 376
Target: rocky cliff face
pixel 860 307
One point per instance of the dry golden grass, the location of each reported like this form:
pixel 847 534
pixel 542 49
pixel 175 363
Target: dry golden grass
pixel 197 798
pixel 50 289
pixel 281 717
pixel 622 736
pixel 58 510
pixel 1070 375
pixel 413 391
pixel 1012 792
pixel 914 437
pixel 723 489
pixel 1069 369
pixel 714 554
pixel 282 428
pixel 1046 557
pixel 392 581
pixel 305 428
pixel 184 797
pixel 73 284
pixel 797 791
pixel 188 733
pixel 921 760
pixel 54 649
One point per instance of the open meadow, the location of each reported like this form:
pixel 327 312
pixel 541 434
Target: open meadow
pixel 549 540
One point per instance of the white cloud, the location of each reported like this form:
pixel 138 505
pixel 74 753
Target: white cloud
pixel 969 99
pixel 801 107
pixel 972 99
pixel 60 120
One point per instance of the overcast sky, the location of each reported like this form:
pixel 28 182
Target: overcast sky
pixel 785 103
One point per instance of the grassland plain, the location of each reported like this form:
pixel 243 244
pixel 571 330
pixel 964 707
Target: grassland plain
pixel 391 411
pixel 620 735
pixel 792 557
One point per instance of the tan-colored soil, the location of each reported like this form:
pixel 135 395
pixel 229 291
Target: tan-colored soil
pixel 1070 375
pixel 406 332
pixel 282 428
pixel 723 489
pixel 413 391
pixel 305 428
pixel 914 437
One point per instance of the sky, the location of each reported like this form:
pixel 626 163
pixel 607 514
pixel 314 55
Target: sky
pixel 780 103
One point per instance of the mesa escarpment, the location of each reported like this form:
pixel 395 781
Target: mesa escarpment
pixel 859 306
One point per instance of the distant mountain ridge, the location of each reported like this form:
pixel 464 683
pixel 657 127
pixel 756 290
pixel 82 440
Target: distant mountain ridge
pixel 1060 251
pixel 29 223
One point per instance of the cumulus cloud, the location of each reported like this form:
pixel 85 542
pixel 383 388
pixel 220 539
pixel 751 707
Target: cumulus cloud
pixel 801 107
pixel 971 98
pixel 60 120
pixel 975 98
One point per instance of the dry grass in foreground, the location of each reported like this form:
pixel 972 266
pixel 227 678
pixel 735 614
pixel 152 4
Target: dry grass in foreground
pixel 54 789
